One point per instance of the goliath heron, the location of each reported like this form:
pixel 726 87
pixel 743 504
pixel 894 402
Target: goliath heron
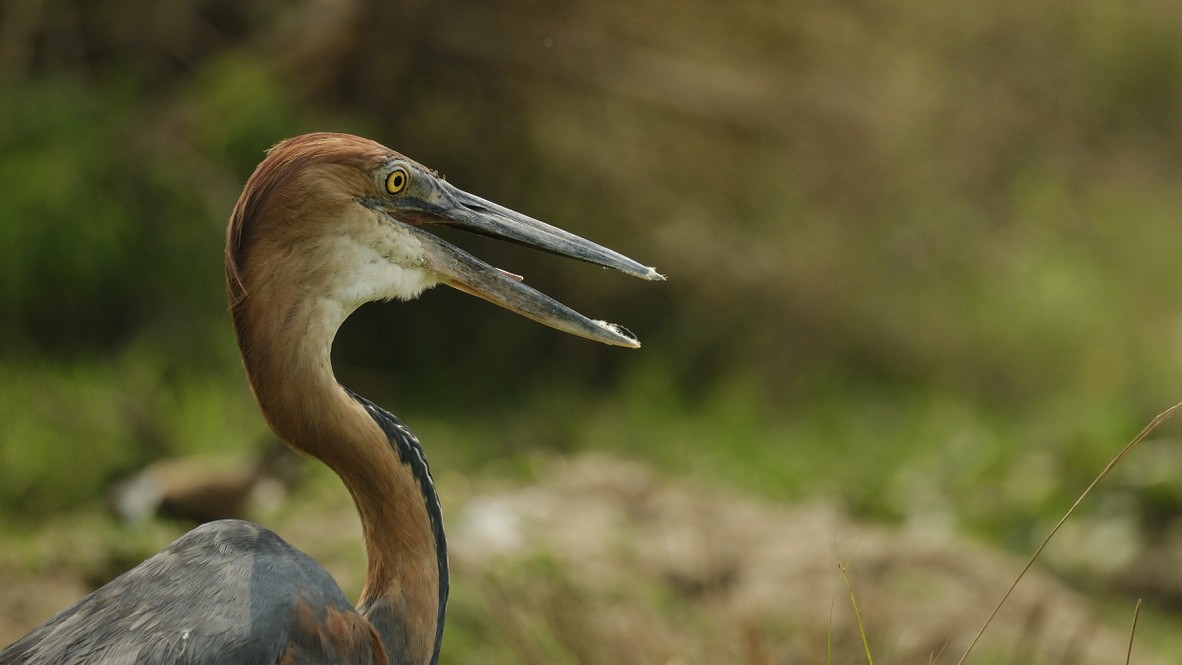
pixel 326 223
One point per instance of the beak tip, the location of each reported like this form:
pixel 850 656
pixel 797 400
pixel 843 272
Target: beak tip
pixel 642 271
pixel 617 335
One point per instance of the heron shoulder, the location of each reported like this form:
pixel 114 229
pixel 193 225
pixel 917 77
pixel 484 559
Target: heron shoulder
pixel 226 592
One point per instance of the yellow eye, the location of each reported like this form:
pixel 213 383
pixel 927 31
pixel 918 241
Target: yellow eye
pixel 396 181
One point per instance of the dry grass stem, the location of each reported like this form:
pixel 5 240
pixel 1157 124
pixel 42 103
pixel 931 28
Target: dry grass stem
pixel 1133 631
pixel 841 566
pixel 1153 424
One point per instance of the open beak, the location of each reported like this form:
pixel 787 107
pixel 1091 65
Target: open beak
pixel 436 201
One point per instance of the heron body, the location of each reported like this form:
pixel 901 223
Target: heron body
pixel 270 604
pixel 326 223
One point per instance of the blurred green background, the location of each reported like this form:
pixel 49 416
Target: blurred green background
pixel 923 258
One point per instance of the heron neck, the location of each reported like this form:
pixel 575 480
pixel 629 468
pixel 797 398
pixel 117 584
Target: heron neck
pixel 292 378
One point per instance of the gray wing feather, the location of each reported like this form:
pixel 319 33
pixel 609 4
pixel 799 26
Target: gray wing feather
pixel 226 592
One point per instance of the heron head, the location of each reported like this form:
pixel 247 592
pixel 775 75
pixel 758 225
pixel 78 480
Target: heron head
pixel 340 217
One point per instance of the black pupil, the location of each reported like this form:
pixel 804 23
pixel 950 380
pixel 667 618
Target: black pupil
pixel 397 181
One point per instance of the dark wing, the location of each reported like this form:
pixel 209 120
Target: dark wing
pixel 227 592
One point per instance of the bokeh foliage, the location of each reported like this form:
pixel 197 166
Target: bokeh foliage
pixel 914 250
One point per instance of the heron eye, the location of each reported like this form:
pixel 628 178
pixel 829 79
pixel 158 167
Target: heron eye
pixel 396 181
